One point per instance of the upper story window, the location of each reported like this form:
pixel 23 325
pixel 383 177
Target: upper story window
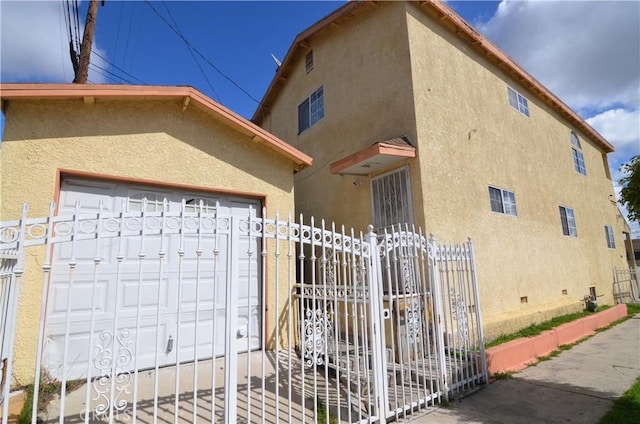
pixel 311 110
pixel 568 222
pixel 502 201
pixel 518 101
pixel 608 233
pixel 578 157
pixel 309 61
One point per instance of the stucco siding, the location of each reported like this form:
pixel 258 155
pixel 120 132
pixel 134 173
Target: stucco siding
pixel 398 72
pixel 136 141
pixel 470 138
pixel 362 64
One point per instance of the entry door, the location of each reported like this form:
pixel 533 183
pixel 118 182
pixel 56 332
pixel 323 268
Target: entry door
pixel 391 199
pixel 130 294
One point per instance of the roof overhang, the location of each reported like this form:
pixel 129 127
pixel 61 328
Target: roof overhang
pixel 450 20
pixel 374 158
pixel 187 96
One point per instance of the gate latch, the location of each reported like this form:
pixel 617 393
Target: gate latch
pixel 169 344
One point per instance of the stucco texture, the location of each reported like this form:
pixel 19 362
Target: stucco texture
pixel 388 69
pixel 144 141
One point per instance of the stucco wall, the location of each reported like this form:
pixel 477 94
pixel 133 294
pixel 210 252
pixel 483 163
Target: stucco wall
pixel 152 140
pixel 362 64
pixel 471 138
pixel 390 70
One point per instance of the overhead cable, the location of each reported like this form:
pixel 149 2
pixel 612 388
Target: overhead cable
pixel 201 55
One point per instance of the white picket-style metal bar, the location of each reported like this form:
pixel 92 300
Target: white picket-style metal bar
pixel 363 327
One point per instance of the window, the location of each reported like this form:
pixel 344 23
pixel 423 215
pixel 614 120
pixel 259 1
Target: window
pixel 192 204
pixel 502 201
pixel 608 233
pixel 518 101
pixel 309 61
pixel 568 222
pixel 311 110
pixel 391 199
pixel 578 157
pixel 155 202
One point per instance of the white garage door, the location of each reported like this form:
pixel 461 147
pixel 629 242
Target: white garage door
pixel 131 298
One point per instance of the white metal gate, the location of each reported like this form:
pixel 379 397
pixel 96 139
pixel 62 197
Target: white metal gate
pixel 354 327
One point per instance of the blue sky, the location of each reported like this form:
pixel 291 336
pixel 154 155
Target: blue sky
pixel 587 53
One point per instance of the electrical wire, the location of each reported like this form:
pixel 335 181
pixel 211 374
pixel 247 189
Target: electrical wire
pixel 201 55
pixel 118 68
pixel 76 12
pixel 126 45
pixel 67 15
pixel 105 72
pixel 191 52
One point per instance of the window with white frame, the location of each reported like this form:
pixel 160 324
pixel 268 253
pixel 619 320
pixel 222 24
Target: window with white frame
pixel 568 221
pixel 518 101
pixel 311 110
pixel 578 157
pixel 502 201
pixel 155 202
pixel 608 233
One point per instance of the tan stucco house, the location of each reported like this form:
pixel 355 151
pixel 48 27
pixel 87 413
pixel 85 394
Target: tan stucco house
pixel 412 116
pixel 118 145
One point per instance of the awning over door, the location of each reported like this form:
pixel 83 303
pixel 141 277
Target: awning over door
pixel 374 158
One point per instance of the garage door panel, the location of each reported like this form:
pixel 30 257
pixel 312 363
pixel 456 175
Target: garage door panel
pixel 202 278
pixel 151 294
pixel 103 344
pixel 81 300
pixel 85 252
pixel 89 194
pixel 151 247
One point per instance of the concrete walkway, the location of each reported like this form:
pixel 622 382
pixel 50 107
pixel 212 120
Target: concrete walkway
pixel 577 386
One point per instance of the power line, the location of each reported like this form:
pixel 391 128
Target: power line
pixel 76 13
pixel 191 52
pixel 105 72
pixel 118 68
pixel 201 55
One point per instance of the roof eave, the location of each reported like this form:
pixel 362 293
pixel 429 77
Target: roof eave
pixel 189 96
pixel 463 30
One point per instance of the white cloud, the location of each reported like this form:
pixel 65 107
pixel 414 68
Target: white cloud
pixel 34 44
pixel 586 52
pixel 622 128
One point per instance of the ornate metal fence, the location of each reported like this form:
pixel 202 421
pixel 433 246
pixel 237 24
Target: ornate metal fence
pixel 625 285
pixel 198 315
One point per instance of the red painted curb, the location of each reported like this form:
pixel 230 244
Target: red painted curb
pixel 517 354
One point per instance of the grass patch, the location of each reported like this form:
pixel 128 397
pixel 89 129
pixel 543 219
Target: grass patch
pixel 503 375
pixel 48 390
pixel 323 415
pixel 626 410
pixel 558 351
pixel 633 309
pixel 535 329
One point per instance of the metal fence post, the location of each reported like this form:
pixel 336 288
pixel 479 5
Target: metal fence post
pixel 12 311
pixel 378 341
pixel 434 257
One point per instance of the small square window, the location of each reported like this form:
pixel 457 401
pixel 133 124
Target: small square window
pixel 502 201
pixel 518 101
pixel 608 233
pixel 568 222
pixel 309 61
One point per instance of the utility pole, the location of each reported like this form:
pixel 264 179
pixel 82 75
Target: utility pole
pixel 82 72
